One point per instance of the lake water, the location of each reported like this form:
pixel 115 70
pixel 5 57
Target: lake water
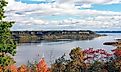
pixel 52 50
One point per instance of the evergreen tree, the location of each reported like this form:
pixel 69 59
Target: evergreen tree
pixel 7 44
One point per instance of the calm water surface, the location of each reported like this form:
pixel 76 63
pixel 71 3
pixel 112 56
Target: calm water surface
pixel 52 50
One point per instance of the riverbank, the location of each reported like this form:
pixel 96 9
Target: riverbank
pixel 36 36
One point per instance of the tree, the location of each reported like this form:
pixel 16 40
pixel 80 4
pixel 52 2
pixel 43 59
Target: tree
pixel 76 63
pixel 7 44
pixel 59 65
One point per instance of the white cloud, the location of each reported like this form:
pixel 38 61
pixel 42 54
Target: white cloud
pixel 95 1
pixel 38 0
pixel 65 1
pixel 86 6
pixel 114 2
pixel 36 16
pixel 90 1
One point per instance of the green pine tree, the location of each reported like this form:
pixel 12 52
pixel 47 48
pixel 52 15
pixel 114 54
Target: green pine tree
pixel 7 44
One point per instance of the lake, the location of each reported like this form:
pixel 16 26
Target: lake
pixel 52 50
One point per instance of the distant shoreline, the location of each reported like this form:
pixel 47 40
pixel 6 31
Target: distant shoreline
pixel 34 36
pixel 108 31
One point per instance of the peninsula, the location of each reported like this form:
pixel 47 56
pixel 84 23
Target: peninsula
pixel 36 36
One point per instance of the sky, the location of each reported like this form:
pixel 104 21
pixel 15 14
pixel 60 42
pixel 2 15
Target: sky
pixel 64 14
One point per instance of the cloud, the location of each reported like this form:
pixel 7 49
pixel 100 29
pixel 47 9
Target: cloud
pixel 86 6
pixel 60 16
pixel 94 1
pixel 114 2
pixel 18 8
pixel 65 1
pixel 90 1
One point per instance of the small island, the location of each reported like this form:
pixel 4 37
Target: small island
pixel 116 43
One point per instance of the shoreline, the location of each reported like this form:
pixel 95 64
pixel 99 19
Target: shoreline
pixel 35 36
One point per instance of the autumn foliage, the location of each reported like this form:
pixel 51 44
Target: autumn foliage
pixel 117 52
pixel 96 55
pixel 40 67
pixel 88 60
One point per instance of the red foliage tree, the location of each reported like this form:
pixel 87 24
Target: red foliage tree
pixel 117 52
pixel 13 68
pixel 99 54
pixel 23 68
pixel 42 66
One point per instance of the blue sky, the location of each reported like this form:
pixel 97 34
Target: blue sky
pixel 64 14
pixel 109 7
